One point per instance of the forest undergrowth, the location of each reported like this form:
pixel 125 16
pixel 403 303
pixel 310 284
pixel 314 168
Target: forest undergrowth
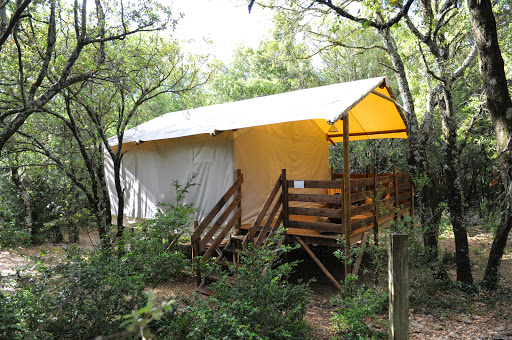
pixel 444 310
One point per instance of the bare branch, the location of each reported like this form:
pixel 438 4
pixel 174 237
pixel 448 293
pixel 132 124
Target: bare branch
pixel 51 40
pixel 458 72
pixel 427 120
pixel 14 20
pixel 380 26
pixel 429 71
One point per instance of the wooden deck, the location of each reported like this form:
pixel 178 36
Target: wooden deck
pixel 376 201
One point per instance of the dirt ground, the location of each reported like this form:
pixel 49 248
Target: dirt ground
pixel 483 321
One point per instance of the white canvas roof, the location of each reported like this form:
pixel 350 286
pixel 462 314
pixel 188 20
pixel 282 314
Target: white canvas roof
pixel 369 102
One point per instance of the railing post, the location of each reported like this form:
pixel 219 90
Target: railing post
pixel 375 207
pixel 398 286
pixel 239 191
pixel 284 193
pixel 195 253
pixel 367 173
pixel 346 192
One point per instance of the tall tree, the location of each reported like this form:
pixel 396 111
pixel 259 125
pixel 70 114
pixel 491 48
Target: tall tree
pixel 499 104
pixel 144 68
pixel 39 58
pixel 437 21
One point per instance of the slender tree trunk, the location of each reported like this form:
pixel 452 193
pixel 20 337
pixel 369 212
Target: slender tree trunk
pixel 416 155
pixel 453 187
pixel 490 280
pixel 120 197
pixel 499 104
pixel 104 205
pixel 27 204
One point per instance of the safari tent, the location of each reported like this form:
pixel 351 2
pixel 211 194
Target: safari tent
pixel 260 136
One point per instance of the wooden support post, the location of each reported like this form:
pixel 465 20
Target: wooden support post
pixel 398 286
pixel 346 192
pixel 284 192
pixel 395 173
pixel 239 205
pixel 319 263
pixel 195 253
pixel 375 208
pixel 367 173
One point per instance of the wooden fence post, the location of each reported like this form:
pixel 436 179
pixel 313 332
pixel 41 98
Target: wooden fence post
pixel 398 286
pixel 376 206
pixel 239 191
pixel 346 193
pixel 284 192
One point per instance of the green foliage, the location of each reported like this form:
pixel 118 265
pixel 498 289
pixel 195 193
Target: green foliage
pixel 155 247
pixel 84 296
pixel 259 304
pixel 137 322
pixel 355 307
pixel 56 205
pixel 10 328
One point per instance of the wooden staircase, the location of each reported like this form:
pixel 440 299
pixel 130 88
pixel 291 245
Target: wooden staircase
pixel 223 238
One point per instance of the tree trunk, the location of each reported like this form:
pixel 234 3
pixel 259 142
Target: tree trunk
pixel 416 155
pixel 453 187
pixel 499 104
pixel 120 197
pixel 490 280
pixel 27 204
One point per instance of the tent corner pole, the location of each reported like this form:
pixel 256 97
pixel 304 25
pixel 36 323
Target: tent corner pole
pixel 346 193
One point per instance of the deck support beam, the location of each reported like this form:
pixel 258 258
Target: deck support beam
pixel 359 259
pixel 319 263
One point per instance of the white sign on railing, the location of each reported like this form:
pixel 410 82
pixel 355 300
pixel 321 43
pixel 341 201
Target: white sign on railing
pixel 298 184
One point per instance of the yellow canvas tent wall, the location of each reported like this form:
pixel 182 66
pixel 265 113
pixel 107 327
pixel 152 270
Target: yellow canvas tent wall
pixel 261 136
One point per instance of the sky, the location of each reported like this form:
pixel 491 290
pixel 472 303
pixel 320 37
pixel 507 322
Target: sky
pixel 226 22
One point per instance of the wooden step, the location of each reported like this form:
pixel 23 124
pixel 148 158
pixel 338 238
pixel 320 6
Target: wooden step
pixel 238 237
pixel 205 290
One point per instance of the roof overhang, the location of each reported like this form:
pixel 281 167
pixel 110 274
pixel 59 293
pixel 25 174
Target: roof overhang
pixel 370 105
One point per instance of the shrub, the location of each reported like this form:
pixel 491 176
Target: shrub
pixel 259 304
pixel 354 307
pixel 85 295
pixel 156 248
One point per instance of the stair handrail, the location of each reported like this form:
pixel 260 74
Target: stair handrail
pixel 261 215
pixel 216 208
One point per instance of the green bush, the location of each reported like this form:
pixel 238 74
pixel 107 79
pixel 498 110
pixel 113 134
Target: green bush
pixel 156 248
pixel 84 296
pixel 10 326
pixel 355 307
pixel 259 304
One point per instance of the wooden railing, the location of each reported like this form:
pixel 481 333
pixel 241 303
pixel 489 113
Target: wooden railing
pixel 373 197
pixel 274 204
pixel 212 237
